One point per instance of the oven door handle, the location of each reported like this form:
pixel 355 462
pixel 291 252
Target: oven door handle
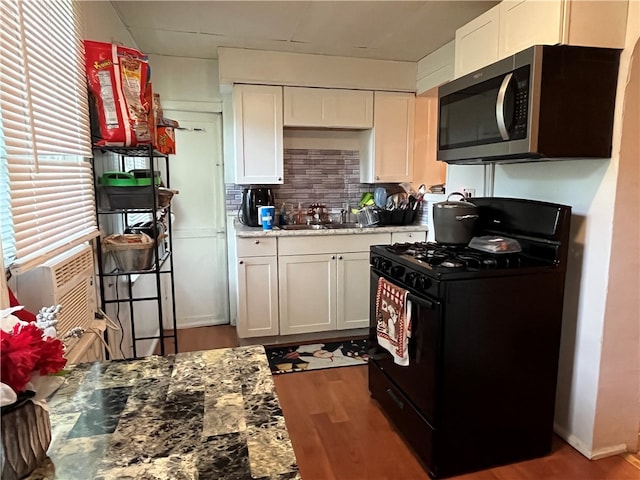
pixel 422 301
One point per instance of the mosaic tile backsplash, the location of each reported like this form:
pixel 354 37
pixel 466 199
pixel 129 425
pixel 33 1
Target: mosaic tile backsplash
pixel 330 177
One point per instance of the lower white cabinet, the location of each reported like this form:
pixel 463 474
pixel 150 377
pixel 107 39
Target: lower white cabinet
pixel 305 284
pixel 323 292
pixel 308 286
pixel 257 293
pixel 353 290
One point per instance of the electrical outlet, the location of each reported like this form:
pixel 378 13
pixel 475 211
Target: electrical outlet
pixel 469 192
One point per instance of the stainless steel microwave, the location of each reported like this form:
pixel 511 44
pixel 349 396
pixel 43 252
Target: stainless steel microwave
pixel 544 103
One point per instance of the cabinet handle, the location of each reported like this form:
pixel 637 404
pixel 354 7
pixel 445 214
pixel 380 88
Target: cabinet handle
pixel 340 257
pixel 257 242
pixel 411 235
pixel 377 177
pixel 333 257
pixel 279 179
pixel 241 262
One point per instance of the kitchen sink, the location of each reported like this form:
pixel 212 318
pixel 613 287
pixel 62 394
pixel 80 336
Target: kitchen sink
pixel 302 227
pixel 342 225
pixel 323 226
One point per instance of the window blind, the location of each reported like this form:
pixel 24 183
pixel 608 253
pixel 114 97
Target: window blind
pixel 45 132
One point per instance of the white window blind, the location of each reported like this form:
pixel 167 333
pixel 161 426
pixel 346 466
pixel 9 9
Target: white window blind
pixel 45 131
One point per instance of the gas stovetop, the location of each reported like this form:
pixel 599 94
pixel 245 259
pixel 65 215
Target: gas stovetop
pixel 414 263
pixel 455 257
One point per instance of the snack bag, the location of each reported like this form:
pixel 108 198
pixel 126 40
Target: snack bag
pixel 117 79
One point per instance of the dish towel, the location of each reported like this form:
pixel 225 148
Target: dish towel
pixel 393 320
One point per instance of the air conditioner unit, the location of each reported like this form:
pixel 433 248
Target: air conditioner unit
pixel 67 280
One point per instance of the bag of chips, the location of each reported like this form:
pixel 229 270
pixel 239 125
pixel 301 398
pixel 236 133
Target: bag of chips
pixel 117 80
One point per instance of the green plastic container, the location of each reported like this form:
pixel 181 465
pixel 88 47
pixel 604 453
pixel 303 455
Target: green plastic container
pixel 118 179
pixel 143 177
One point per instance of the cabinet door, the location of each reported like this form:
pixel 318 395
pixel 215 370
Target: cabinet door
pixel 353 290
pixel 353 108
pixel 257 296
pixel 524 23
pixel 393 137
pixel 327 108
pixel 307 293
pixel 477 42
pixel 258 134
pixel 408 237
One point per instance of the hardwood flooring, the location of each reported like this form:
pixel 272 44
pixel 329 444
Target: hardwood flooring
pixel 338 431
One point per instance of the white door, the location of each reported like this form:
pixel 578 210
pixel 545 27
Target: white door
pixel 199 240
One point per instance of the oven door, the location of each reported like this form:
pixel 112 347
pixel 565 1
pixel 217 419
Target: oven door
pixel 417 380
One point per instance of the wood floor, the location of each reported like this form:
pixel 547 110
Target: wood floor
pixel 338 431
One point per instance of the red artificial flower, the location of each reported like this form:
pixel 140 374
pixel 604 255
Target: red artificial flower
pixel 51 356
pixel 24 352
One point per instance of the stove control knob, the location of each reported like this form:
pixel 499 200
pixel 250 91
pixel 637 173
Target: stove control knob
pixel 397 271
pixel 385 265
pixel 410 279
pixel 422 282
pixel 375 261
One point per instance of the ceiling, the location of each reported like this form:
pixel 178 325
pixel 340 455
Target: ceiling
pixel 385 30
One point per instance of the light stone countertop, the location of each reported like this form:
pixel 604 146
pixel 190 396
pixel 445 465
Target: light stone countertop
pixel 244 231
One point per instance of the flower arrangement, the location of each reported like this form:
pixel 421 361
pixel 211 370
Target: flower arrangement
pixel 30 354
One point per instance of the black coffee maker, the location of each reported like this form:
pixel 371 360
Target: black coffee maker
pixel 252 198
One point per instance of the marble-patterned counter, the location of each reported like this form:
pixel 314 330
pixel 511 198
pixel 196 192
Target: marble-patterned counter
pixel 202 415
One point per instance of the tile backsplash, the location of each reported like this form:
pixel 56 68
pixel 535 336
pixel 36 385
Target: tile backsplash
pixel 329 177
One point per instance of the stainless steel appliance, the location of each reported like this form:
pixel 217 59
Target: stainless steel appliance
pixel 252 198
pixel 479 390
pixel 546 102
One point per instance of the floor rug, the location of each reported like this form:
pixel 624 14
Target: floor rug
pixel 300 358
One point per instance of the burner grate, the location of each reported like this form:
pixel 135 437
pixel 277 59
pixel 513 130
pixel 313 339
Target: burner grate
pixel 453 257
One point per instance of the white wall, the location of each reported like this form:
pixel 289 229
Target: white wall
pixel 278 68
pixel 102 24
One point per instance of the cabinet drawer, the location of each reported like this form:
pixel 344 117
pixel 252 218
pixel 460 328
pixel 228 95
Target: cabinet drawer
pixel 256 247
pixel 331 244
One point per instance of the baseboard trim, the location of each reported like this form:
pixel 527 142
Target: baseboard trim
pixel 195 322
pixel 588 452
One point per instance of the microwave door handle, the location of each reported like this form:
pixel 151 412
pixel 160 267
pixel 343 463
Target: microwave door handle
pixel 502 126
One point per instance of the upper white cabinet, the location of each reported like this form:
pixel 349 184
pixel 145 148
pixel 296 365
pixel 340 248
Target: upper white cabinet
pixel 327 108
pixel 570 22
pixel 514 25
pixel 386 154
pixel 477 42
pixel 436 68
pixel 258 134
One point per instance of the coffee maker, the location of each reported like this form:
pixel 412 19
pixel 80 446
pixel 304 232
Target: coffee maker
pixel 252 199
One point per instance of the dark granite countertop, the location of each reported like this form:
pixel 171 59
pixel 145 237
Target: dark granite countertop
pixel 202 415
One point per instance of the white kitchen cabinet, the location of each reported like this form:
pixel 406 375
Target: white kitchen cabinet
pixel 328 108
pixel 257 292
pixel 436 68
pixel 307 293
pixel 408 237
pixel 588 23
pixel 258 134
pixel 514 25
pixel 324 282
pixel 477 42
pixel 386 154
pixel 352 290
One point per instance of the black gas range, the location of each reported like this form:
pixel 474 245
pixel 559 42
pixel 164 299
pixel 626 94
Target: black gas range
pixel 479 389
